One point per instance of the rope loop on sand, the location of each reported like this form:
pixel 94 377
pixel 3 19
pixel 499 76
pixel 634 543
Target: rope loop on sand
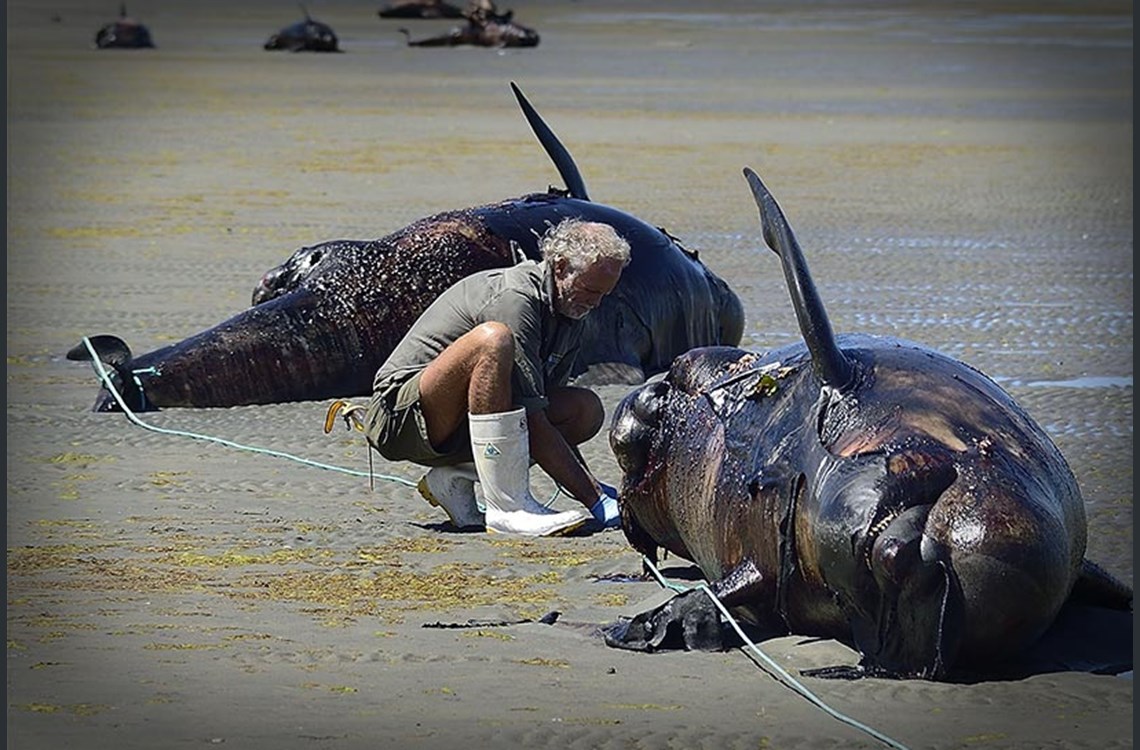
pixel 768 664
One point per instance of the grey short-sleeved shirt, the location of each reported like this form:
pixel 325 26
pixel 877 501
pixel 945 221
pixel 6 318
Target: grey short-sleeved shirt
pixel 521 297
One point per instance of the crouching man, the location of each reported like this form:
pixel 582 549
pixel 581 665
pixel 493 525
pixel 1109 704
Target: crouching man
pixel 477 388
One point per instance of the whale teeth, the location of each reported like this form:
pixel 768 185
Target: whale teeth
pixel 876 528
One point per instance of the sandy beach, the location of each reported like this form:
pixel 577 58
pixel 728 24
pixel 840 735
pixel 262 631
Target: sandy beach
pixel 959 174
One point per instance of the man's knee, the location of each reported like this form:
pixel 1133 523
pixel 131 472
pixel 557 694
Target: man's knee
pixel 594 415
pixel 577 412
pixel 494 339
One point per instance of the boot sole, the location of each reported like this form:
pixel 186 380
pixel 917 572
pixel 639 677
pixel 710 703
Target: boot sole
pixel 560 532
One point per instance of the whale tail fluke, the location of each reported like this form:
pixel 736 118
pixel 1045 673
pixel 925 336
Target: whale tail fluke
pixel 113 352
pixel 110 350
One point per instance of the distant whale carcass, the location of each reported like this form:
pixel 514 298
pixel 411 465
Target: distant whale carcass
pixel 420 9
pixel 123 33
pixel 325 320
pixel 306 35
pixel 484 28
pixel 855 487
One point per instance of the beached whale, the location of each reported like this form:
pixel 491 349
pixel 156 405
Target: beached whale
pixel 420 9
pixel 325 320
pixel 306 35
pixel 855 487
pixel 441 9
pixel 123 33
pixel 484 28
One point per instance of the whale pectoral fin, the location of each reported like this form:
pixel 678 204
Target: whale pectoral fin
pixel 689 621
pixel 740 585
pixel 1097 586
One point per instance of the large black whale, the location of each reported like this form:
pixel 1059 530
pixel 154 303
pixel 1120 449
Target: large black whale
pixel 324 320
pixel 855 487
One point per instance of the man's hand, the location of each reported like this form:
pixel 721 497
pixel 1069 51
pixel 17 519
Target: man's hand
pixel 605 510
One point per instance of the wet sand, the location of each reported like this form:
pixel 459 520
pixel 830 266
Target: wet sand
pixel 959 175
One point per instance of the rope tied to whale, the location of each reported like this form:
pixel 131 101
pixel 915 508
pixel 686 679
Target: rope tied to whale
pixel 108 383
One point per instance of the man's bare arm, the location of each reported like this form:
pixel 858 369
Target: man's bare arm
pixel 555 456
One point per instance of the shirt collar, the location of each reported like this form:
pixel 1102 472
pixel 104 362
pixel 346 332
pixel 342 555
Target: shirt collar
pixel 547 293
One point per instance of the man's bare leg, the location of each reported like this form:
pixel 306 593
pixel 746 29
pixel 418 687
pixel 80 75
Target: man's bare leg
pixel 471 380
pixel 473 375
pixel 576 413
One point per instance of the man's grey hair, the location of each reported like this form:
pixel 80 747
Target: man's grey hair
pixel 583 243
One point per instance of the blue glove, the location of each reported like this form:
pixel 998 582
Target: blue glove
pixel 605 510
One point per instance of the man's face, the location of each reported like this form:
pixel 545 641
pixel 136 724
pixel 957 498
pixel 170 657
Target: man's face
pixel 578 294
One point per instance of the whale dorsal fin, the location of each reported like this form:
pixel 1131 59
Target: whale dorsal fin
pixel 554 148
pixel 305 13
pixel 829 362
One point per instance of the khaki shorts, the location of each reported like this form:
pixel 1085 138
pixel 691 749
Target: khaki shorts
pixel 396 428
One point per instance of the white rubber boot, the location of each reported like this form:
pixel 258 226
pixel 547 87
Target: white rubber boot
pixel 453 489
pixel 500 445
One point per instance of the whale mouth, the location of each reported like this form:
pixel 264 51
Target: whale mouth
pixel 895 541
pixel 893 546
pixel 908 595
